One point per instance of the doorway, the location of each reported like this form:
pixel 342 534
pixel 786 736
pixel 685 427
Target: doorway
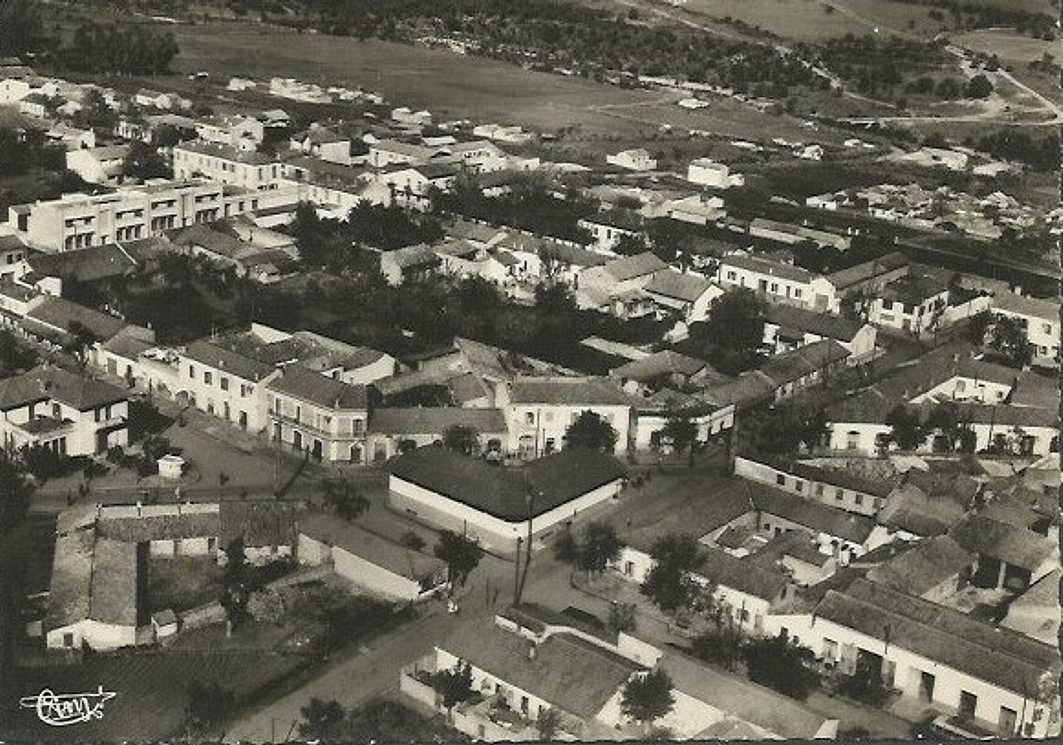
pixel 968 705
pixel 926 686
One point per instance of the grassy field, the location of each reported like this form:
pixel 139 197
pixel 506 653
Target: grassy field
pixel 452 85
pixel 1009 46
pixel 814 20
pixel 183 582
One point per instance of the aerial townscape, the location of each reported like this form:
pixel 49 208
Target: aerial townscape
pixel 529 370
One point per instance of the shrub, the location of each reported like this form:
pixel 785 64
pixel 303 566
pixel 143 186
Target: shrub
pixel 412 541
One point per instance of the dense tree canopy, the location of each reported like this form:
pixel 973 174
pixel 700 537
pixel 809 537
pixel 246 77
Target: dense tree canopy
pixel 133 50
pixel 668 582
pixel 648 697
pixel 591 430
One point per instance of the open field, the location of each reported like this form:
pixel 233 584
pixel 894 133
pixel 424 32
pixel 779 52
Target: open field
pixel 452 85
pixel 1008 45
pixel 815 20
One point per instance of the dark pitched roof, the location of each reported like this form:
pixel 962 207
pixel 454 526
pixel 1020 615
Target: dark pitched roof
pixel 844 479
pixel 924 566
pixel 666 362
pixel 83 265
pixel 990 653
pixel 59 313
pixel 794 543
pixel 258 523
pixel 568 391
pixel 1017 546
pixel 435 420
pixel 673 284
pixel 797 363
pixel 913 289
pixel 812 515
pixel 742 575
pixel 827 325
pixel 567 672
pixel 631 267
pixel 747 390
pixel 315 388
pixel 397 559
pixel 704 512
pixel 215 356
pixel 42 383
pixel 500 492
pixel 113 592
pixel 846 278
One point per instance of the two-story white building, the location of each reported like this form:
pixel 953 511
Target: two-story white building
pixel 540 411
pixel 318 414
pixel 1042 322
pixel 225 384
pixel 913 303
pixel 777 282
pixel 57 409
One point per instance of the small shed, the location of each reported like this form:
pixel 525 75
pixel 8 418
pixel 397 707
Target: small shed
pixel 165 623
pixel 171 466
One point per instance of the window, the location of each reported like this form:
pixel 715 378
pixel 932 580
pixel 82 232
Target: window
pixel 852 440
pixel 797 292
pixel 961 386
pixel 858 497
pixel 839 494
pixel 1047 328
pixel 878 503
pixel 819 490
pixel 358 427
pixel 830 649
pixel 774 286
pixel 529 418
pixel 207 378
pixel 800 485
pixel 730 275
pixel 192 372
pixel 68 639
pixel 224 383
pixel 780 479
pixel 57 412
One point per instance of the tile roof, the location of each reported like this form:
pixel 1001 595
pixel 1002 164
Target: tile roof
pixel 1033 389
pixel 843 478
pixel 416 255
pixel 220 358
pixel 665 362
pixel 258 524
pixel 68 595
pixel 924 566
pixel 702 513
pixel 812 515
pixel 212 240
pixel 320 390
pixel 555 479
pixel 43 383
pixel 227 152
pixel 468 387
pixel 567 672
pixel 630 267
pixel 793 543
pixel 83 265
pixel 987 371
pixel 745 391
pixel 845 278
pixel 673 284
pixel 913 289
pixel 1047 310
pixel 1018 546
pixel 805 360
pixel 114 590
pixel 397 559
pixel 826 325
pixel 59 313
pixel 564 253
pixel 561 391
pixel 767 267
pixel 435 420
pixel 995 655
pixel 742 575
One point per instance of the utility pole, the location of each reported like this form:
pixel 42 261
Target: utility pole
pixel 529 500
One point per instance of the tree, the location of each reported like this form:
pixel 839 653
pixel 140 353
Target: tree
pixel 865 684
pixel 782 665
pixel 567 548
pixel 266 606
pixel 591 430
pixel 455 686
pixel 622 617
pixel 16 490
pixel 1008 338
pixel 144 162
pixel 21 29
pixel 906 428
pixel 945 418
pixel 668 583
pixel 599 546
pixel 461 554
pixel 235 581
pixel 630 245
pixel 547 723
pixel 462 439
pixel 343 498
pixel 412 541
pixel 42 461
pixel 683 433
pixel 646 698
pixel 320 718
pixel 733 331
pixel 785 428
pixel 977 326
pixel 978 87
pixel 208 705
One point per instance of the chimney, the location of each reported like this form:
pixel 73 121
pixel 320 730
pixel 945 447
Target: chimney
pixel 140 508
